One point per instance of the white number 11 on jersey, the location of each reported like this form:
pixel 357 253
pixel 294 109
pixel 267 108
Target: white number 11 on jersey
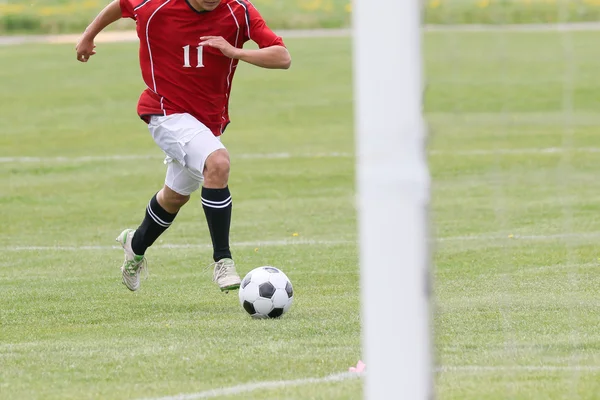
pixel 186 56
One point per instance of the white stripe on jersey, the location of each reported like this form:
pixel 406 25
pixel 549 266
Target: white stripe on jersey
pixel 247 20
pixel 141 5
pixel 148 41
pixel 237 37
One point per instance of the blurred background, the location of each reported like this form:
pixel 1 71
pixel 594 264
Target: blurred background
pixel 67 16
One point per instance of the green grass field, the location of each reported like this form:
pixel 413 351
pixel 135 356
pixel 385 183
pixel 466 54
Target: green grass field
pixel 513 156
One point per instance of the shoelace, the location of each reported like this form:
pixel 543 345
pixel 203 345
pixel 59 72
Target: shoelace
pixel 220 270
pixel 143 266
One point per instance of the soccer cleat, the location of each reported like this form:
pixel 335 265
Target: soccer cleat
pixel 133 265
pixel 225 275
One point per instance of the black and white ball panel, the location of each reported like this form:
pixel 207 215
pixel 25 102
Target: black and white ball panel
pixel 276 313
pixel 260 275
pixel 279 280
pixel 266 292
pixel 280 298
pixel 263 306
pixel 249 293
pixel 246 280
pixel 249 307
pixel 287 305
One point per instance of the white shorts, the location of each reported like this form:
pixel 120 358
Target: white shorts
pixel 187 143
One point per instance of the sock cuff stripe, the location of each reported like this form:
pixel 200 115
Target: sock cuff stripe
pixel 217 205
pixel 156 219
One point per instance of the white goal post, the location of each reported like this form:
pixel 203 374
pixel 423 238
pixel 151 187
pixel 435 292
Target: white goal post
pixel 393 198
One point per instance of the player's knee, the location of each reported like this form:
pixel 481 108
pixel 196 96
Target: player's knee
pixel 173 200
pixel 179 200
pixel 217 166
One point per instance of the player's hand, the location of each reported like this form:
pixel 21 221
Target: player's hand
pixel 219 43
pixel 85 49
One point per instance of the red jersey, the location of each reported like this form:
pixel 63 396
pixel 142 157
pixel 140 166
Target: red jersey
pixel 181 76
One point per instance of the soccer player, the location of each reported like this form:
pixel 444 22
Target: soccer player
pixel 189 51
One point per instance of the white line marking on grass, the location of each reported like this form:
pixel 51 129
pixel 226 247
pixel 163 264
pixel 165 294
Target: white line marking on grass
pixel 266 385
pixel 535 269
pixel 126 36
pixel 523 28
pixel 525 151
pixel 128 157
pixel 275 156
pixel 578 235
pixel 308 242
pixel 131 36
pixel 82 159
pixel 518 368
pixel 266 243
pixel 250 387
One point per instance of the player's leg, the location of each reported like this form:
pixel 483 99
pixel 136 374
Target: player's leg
pixel 207 159
pixel 217 205
pixel 160 214
pixel 164 205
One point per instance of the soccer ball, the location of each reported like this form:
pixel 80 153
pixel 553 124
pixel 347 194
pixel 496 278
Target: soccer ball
pixel 266 292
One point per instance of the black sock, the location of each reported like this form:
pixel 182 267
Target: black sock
pixel 156 221
pixel 217 208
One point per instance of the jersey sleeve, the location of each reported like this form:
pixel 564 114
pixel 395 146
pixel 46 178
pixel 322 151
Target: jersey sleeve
pixel 258 31
pixel 127 9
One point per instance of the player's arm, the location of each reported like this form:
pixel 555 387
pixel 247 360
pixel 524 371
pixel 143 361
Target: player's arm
pixel 85 46
pixel 271 53
pixel 274 57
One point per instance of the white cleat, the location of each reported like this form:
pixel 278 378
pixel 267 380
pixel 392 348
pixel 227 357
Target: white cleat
pixel 133 265
pixel 225 275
